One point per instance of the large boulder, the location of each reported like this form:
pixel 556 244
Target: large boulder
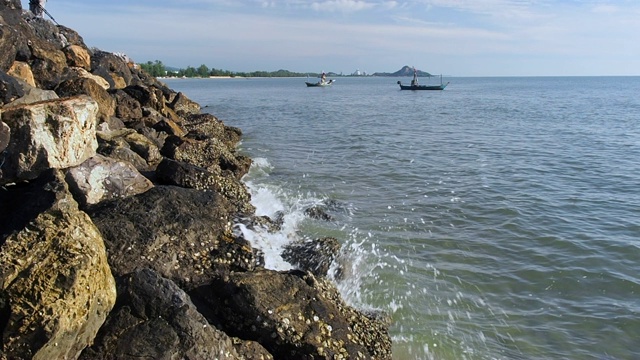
pixel 54 134
pixel 172 172
pixel 155 319
pixel 85 86
pixel 101 178
pixel 183 234
pixel 56 283
pixel 293 315
pixel 21 70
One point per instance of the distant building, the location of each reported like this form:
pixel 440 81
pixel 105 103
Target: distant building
pixel 359 73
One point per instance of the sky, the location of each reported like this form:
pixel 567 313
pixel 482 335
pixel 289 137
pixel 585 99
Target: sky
pixel 450 37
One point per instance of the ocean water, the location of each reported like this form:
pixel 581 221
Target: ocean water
pixel 497 219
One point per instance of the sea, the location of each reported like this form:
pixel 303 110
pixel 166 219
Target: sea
pixel 497 219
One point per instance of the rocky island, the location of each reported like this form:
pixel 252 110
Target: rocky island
pixel 118 200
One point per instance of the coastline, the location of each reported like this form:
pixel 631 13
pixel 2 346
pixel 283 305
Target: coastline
pixel 120 229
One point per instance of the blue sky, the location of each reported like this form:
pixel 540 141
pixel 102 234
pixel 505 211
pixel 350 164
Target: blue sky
pixel 452 37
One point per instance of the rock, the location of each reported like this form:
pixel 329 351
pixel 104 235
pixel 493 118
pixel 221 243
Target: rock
pixel 55 134
pixel 128 145
pixel 85 86
pixel 155 319
pixel 48 64
pixel 208 153
pixel 105 64
pixel 31 95
pixel 318 212
pixel 5 135
pixel 293 315
pixel 78 56
pixel 21 70
pixel 100 178
pixel 10 88
pixel 54 274
pixel 315 256
pixel 172 172
pixel 183 234
pixel 127 108
pixel 183 104
pixel 73 73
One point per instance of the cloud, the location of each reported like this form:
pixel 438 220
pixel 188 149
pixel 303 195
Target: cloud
pixel 342 6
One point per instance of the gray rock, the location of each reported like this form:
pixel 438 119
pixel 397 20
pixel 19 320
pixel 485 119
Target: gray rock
pixel 55 134
pixel 155 319
pixel 100 178
pixel 183 234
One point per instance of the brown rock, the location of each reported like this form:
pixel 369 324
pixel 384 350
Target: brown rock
pixel 22 70
pixel 78 56
pixel 85 86
pixel 55 276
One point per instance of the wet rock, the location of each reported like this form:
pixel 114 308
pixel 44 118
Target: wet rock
pixel 100 178
pixel 171 172
pixel 315 256
pixel 319 213
pixel 53 272
pixel 175 231
pixel 155 319
pixel 293 315
pixel 54 134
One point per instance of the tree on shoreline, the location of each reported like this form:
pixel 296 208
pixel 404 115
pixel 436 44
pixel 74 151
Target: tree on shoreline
pixel 157 69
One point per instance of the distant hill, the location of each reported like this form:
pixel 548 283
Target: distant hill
pixel 405 71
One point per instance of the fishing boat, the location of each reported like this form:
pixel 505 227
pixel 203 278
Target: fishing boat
pixel 415 86
pixel 320 83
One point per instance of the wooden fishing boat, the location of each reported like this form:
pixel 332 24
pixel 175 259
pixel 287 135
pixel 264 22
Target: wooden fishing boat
pixel 422 87
pixel 415 86
pixel 319 83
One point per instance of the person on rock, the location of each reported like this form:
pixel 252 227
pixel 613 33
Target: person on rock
pixel 37 7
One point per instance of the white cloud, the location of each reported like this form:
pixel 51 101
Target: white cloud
pixel 342 5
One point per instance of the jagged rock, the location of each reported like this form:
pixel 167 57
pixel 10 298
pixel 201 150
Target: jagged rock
pixel 319 213
pixel 53 272
pixel 32 95
pixel 183 234
pixel 181 103
pixel 72 37
pixel 78 56
pixel 5 135
pixel 315 256
pixel 155 319
pixel 10 87
pixel 100 178
pixel 12 40
pixel 293 315
pixel 169 127
pixel 54 134
pixel 21 70
pixel 73 73
pixel 209 153
pixel 79 86
pixel 127 108
pixel 48 64
pixel 105 64
pixel 128 145
pixel 172 172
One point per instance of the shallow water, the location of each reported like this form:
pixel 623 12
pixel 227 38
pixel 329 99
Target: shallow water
pixel 497 219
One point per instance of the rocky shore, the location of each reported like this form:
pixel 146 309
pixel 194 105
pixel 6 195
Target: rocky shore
pixel 118 200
